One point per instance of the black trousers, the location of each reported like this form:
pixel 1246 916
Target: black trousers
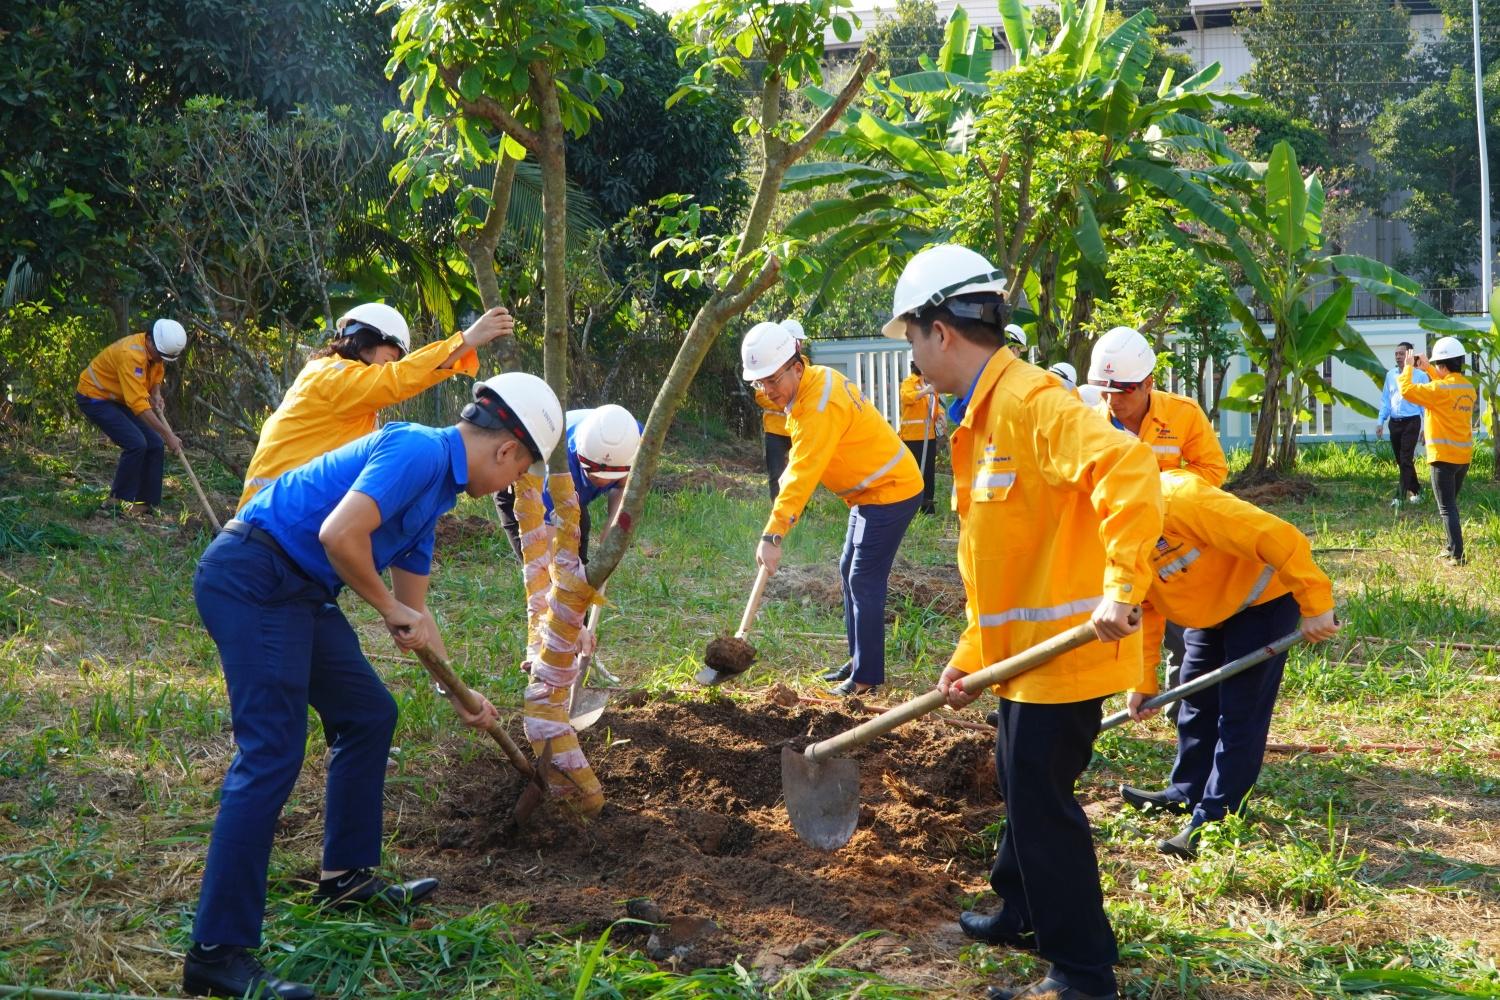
pixel 1447 480
pixel 1405 433
pixel 1045 870
pixel 928 463
pixel 778 446
pixel 505 503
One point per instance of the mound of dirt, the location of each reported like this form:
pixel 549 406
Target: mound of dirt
pixel 937 588
pixel 729 655
pixel 1275 491
pixel 695 824
pixel 454 529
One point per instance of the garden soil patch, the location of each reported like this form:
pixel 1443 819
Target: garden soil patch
pixel 938 588
pixel 695 824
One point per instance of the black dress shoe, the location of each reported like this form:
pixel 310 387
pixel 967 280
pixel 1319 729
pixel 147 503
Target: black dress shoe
pixel 839 673
pixel 230 971
pixel 850 688
pixel 1142 799
pixel 364 886
pixel 993 928
pixel 1045 989
pixel 1184 845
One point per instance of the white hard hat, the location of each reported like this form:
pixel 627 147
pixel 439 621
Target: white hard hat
pixel 1066 372
pixel 937 275
pixel 387 322
pixel 169 338
pixel 1121 355
pixel 1447 348
pixel 765 349
pixel 606 442
pixel 795 329
pixel 522 404
pixel 1090 394
pixel 1016 333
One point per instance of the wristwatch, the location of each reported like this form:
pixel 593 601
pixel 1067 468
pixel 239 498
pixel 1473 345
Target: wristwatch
pixel 771 539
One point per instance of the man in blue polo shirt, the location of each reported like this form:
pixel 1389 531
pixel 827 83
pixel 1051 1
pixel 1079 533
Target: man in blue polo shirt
pixel 1405 421
pixel 266 588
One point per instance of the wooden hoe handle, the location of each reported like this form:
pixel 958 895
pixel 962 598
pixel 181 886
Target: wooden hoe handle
pixel 756 593
pixel 442 672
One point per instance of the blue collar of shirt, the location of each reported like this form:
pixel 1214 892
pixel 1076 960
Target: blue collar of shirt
pixel 458 458
pixel 960 406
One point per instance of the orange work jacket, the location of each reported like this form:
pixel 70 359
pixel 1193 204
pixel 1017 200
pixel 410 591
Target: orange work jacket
pixel 1181 437
pixel 1449 400
pixel 123 372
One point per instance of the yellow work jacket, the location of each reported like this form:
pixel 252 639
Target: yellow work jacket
pixel 1449 400
pixel 771 419
pixel 840 439
pixel 1219 555
pixel 1180 436
pixel 919 414
pixel 335 400
pixel 1057 510
pixel 123 372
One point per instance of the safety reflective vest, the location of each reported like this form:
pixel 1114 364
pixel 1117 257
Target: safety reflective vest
pixel 919 413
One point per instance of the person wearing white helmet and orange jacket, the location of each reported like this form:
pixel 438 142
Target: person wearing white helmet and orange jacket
pixel 773 424
pixel 1236 577
pixel 1067 374
pixel 1058 512
pixel 839 439
pixel 1450 400
pixel 266 589
pixel 922 428
pixel 1175 427
pixel 602 445
pixel 367 366
pixel 120 392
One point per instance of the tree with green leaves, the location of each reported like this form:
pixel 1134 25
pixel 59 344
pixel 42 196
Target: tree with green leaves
pixel 905 33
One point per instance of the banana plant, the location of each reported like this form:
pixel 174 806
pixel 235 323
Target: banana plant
pixel 1278 245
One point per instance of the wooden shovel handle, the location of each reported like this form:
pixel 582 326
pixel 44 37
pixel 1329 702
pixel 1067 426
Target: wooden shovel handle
pixel 1078 635
pixel 751 606
pixel 442 672
pixel 187 466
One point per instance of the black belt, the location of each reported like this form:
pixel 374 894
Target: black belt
pixel 1414 416
pixel 259 536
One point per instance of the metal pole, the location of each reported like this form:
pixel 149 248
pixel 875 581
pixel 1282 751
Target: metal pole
pixel 1486 276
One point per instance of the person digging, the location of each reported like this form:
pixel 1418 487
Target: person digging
pixel 266 589
pixel 1232 575
pixel 1057 516
pixel 840 440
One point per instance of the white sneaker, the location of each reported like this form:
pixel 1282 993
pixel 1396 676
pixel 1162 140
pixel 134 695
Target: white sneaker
pixel 1413 498
pixel 1396 502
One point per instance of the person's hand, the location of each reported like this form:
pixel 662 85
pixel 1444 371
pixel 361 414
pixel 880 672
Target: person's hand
pixel 409 628
pixel 769 556
pixel 484 719
pixel 1114 620
pixel 587 641
pixel 1379 431
pixel 957 695
pixel 1133 704
pixel 1415 360
pixel 498 322
pixel 174 442
pixel 1319 627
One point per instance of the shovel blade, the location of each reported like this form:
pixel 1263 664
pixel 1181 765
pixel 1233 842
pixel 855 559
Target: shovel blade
pixel 822 798
pixel 709 677
pixel 588 705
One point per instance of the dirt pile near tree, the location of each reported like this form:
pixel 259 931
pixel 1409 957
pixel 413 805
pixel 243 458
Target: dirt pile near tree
pixel 695 825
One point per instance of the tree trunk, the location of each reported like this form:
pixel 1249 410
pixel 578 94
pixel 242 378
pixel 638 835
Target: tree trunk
pixel 480 247
pixel 1270 412
pixel 552 157
pixel 1286 449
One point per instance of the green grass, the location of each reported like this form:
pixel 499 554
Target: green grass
pixel 1356 872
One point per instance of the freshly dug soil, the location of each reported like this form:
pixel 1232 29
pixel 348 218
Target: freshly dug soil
pixel 695 824
pixel 938 588
pixel 729 655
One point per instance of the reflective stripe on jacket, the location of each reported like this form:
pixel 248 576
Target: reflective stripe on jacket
pixel 1181 437
pixel 1219 555
pixel 840 439
pixel 123 372
pixel 334 401
pixel 919 414
pixel 1449 400
pixel 1057 509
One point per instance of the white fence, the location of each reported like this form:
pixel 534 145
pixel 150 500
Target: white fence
pixel 877 365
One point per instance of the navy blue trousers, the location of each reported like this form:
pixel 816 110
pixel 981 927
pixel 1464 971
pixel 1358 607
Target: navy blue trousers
pixel 1045 870
pixel 1221 732
pixel 285 645
pixel 874 535
pixel 138 472
pixel 778 448
pixel 1447 480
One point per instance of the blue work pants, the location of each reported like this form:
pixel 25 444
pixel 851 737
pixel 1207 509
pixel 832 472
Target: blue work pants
pixel 138 472
pixel 875 532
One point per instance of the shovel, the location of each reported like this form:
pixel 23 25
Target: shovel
pixel 822 789
pixel 586 704
pixel 726 658
pixel 208 508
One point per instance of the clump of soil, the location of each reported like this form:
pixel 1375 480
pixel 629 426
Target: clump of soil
pixel 729 655
pixel 938 588
pixel 1274 491
pixel 695 824
pixel 453 530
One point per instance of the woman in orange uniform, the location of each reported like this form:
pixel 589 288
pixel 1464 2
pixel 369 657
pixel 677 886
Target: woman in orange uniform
pixel 369 365
pixel 1449 400
pixel 120 392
